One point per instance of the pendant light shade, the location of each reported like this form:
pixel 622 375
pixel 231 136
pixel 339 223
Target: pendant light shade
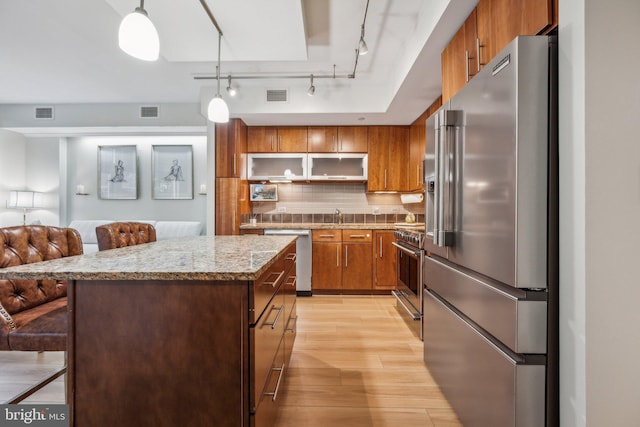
pixel 138 36
pixel 218 112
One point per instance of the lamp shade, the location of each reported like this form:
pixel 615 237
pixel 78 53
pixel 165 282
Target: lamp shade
pixel 218 112
pixel 138 36
pixel 21 199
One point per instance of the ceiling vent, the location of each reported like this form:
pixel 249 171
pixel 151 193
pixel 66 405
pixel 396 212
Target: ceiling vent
pixel 44 113
pixel 277 95
pixel 149 112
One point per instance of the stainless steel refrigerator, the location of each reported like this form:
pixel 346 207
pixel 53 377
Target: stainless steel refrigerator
pixel 490 274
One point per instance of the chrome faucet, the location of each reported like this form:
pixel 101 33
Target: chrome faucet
pixel 338 218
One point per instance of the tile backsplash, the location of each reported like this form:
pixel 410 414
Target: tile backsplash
pixel 317 203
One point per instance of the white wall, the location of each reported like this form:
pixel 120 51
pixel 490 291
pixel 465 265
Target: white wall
pixel 599 212
pixel 42 175
pixel 82 161
pixel 13 152
pixel 612 220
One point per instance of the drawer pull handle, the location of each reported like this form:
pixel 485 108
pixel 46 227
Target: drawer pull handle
pixel 293 282
pixel 358 236
pixel 327 235
pixel 273 284
pixel 275 321
pixel 290 257
pixel 295 322
pixel 274 393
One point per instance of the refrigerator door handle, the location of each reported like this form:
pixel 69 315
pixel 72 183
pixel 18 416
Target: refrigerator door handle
pixel 452 123
pixel 436 188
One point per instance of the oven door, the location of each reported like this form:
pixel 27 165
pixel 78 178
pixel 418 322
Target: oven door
pixel 409 284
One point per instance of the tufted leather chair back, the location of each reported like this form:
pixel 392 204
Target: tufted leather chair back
pixel 121 234
pixel 34 243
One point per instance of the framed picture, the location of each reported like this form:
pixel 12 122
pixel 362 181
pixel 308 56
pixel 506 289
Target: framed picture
pixel 264 193
pixel 172 171
pixel 117 172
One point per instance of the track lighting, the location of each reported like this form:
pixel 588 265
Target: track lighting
pixel 362 46
pixel 312 89
pixel 218 111
pixel 137 35
pixel 230 89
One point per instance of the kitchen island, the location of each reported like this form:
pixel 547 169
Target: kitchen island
pixel 193 331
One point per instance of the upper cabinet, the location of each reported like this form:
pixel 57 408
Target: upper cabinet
pixel 388 152
pixel 337 139
pixel 268 139
pixel 231 146
pixel 487 30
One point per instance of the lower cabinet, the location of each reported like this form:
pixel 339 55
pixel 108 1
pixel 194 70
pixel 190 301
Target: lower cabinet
pixel 385 260
pixel 341 260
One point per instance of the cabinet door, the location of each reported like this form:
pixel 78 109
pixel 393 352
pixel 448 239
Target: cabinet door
pixel 326 265
pixel 417 146
pixel 261 139
pixel 352 139
pixel 357 266
pixel 292 140
pixel 398 173
pixel 378 158
pixel 322 139
pixel 485 43
pixel 453 65
pixel 385 260
pixel 538 15
pixel 470 45
pixel 225 150
pixel 506 22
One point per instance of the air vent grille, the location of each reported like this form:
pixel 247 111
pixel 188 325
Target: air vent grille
pixel 277 95
pixel 44 113
pixel 149 112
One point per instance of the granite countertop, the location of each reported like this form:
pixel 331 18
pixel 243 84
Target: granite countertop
pixel 328 226
pixel 189 258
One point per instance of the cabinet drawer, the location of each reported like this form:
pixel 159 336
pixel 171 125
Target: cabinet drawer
pixel 265 288
pixel 327 235
pixel 356 236
pixel 265 340
pixel 265 413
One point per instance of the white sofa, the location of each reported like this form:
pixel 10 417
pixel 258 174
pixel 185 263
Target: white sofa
pixel 164 230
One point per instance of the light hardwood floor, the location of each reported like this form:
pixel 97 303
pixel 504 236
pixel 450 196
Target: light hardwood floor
pixel 354 363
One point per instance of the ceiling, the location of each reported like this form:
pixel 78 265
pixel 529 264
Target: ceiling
pixel 66 52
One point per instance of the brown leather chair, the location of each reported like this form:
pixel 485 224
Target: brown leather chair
pixel 33 313
pixel 120 234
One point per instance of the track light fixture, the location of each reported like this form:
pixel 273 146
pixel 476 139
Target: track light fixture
pixel 137 36
pixel 230 89
pixel 217 110
pixel 312 89
pixel 362 46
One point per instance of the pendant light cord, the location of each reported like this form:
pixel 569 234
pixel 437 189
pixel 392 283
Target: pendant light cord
pixel 218 67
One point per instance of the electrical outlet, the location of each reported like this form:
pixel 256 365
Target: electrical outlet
pixel 282 209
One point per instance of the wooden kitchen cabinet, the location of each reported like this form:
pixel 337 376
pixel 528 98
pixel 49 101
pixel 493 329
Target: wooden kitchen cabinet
pixel 357 266
pixel 459 59
pixel 326 259
pixel 388 152
pixel 385 261
pixel 231 149
pixel 337 139
pixel 341 260
pixel 417 147
pixel 269 139
pixel 232 201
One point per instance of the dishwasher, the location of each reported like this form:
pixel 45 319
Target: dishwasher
pixel 303 257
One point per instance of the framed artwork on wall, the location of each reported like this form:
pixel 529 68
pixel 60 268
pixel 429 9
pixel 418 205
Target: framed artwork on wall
pixel 117 172
pixel 172 172
pixel 264 193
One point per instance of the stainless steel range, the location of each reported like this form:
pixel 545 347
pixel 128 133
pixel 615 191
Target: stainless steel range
pixel 409 286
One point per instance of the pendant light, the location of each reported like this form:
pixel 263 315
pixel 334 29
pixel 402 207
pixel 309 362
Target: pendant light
pixel 137 35
pixel 218 112
pixel 312 89
pixel 362 46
